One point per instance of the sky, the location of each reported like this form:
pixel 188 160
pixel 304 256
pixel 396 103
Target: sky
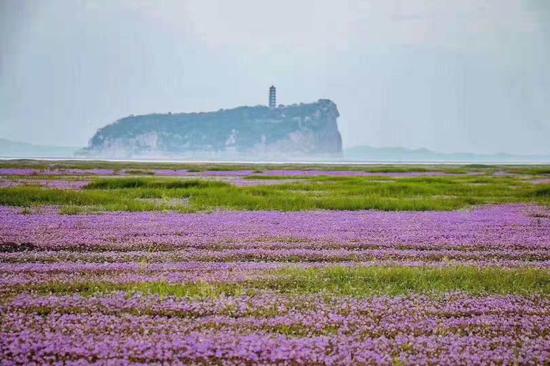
pixel 448 75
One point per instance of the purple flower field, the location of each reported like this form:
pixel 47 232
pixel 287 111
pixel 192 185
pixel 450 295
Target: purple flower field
pixel 118 329
pixel 51 183
pixel 491 228
pixel 117 288
pixel 53 172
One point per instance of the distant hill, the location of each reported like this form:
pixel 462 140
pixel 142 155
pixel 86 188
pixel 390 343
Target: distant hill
pixel 15 149
pixel 400 154
pixel 245 133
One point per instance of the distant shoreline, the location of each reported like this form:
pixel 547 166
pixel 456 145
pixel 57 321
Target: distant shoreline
pixel 276 162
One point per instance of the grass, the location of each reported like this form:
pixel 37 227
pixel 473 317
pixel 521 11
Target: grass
pixel 129 183
pixel 274 177
pixel 139 172
pixel 342 281
pixel 71 201
pixel 394 281
pixel 314 193
pixel 543 192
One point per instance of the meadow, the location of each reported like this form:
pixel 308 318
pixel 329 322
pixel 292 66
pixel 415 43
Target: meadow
pixel 273 264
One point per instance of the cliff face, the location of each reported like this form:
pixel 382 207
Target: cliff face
pixel 250 132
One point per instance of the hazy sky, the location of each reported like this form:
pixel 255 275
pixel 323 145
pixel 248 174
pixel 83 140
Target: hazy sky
pixel 449 75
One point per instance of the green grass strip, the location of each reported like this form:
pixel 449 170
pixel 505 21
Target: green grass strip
pixel 342 281
pixel 159 183
pixel 395 281
pixel 318 193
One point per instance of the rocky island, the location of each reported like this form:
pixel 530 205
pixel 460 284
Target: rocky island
pixel 258 132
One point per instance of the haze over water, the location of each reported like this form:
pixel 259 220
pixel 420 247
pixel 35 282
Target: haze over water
pixel 445 75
